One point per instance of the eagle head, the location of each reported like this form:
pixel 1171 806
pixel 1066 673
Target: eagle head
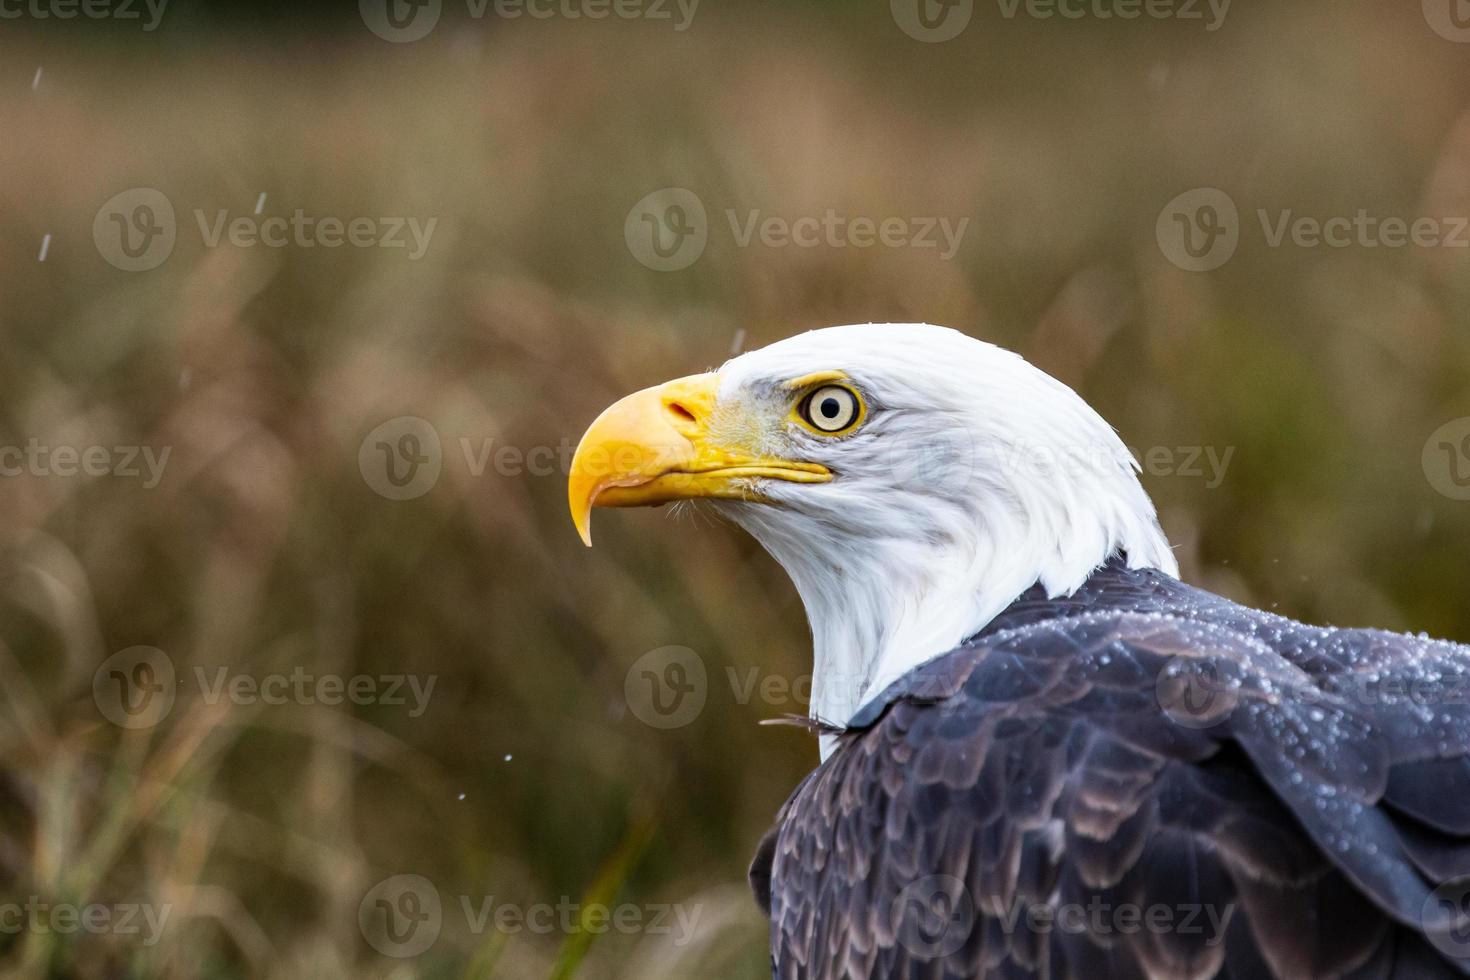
pixel 911 480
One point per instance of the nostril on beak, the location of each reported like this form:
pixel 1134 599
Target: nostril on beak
pixel 686 404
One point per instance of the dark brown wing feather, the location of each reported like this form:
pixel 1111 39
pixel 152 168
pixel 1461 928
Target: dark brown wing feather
pixel 1142 780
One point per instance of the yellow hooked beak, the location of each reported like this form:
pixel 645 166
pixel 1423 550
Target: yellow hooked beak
pixel 655 446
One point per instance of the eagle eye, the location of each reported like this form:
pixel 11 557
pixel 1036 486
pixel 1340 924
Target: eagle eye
pixel 831 409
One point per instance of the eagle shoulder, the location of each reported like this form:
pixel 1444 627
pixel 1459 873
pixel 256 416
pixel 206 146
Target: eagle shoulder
pixel 1139 780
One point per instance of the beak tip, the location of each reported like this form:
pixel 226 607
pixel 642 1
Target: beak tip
pixel 582 521
pixel 580 496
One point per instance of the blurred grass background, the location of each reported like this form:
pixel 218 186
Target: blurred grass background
pixel 528 779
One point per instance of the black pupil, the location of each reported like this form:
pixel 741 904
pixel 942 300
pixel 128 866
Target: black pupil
pixel 830 407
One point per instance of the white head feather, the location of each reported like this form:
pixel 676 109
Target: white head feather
pixel 973 477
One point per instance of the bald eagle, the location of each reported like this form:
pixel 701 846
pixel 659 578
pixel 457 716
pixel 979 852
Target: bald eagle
pixel 1043 755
